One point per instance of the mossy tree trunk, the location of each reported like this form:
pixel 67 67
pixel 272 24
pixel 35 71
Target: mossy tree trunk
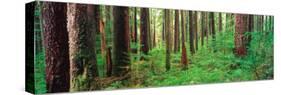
pixel 82 28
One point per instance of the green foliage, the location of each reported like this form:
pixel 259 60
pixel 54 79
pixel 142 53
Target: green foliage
pixel 206 66
pixel 260 56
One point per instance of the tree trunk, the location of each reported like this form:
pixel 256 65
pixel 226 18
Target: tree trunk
pixel 212 22
pixel 108 31
pixel 196 30
pixel 108 62
pixel 191 33
pixel 220 22
pixel 207 28
pixel 148 29
pixel 202 28
pixel 168 39
pixel 163 27
pixel 56 47
pixel 82 28
pixel 154 33
pixel 38 28
pixel 176 35
pixel 144 30
pixel 250 28
pixel 240 29
pixel 121 43
pixel 184 60
pixel 136 28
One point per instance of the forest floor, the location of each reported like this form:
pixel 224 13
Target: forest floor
pixel 205 66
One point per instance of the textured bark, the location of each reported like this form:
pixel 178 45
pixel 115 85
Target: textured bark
pixel 144 30
pixel 82 28
pixel 176 34
pixel 191 33
pixel 184 60
pixel 168 39
pixel 121 43
pixel 240 29
pixel 56 47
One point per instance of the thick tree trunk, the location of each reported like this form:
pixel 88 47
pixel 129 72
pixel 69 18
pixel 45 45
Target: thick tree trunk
pixel 108 31
pixel 191 33
pixel 56 47
pixel 144 30
pixel 121 43
pixel 168 39
pixel 176 35
pixel 184 60
pixel 82 28
pixel 240 29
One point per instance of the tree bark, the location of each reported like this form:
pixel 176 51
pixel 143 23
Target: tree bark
pixel 202 28
pixel 184 60
pixel 212 22
pixel 196 30
pixel 121 43
pixel 82 28
pixel 144 30
pixel 220 22
pixel 176 35
pixel 168 39
pixel 191 33
pixel 136 27
pixel 240 29
pixel 56 47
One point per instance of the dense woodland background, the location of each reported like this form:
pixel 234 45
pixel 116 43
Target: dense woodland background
pixel 83 47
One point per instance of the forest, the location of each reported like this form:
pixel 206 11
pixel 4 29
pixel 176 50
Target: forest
pixel 84 47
